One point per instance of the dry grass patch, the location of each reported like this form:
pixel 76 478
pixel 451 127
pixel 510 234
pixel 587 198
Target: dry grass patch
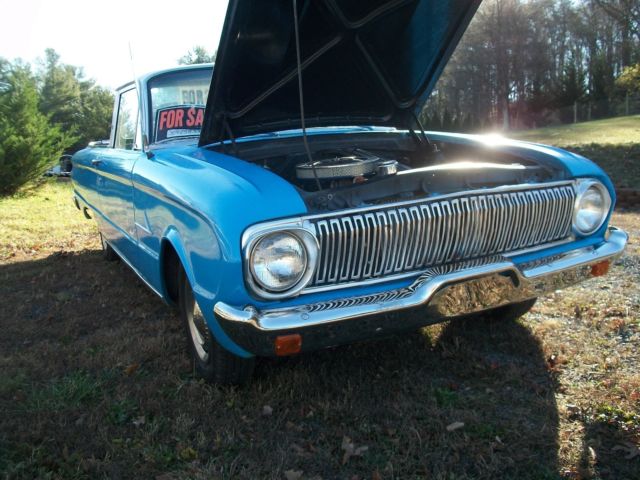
pixel 42 221
pixel 95 383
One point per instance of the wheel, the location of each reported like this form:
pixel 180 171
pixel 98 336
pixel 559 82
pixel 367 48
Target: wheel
pixel 511 312
pixel 211 361
pixel 108 252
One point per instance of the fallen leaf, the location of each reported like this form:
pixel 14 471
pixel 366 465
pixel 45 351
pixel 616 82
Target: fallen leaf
pixel 188 453
pixel 454 426
pixel 297 449
pixel 139 421
pixel 360 450
pixel 131 369
pixel 293 474
pixel 292 426
pixel 350 450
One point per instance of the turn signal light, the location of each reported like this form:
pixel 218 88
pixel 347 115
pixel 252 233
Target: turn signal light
pixel 600 268
pixel 288 345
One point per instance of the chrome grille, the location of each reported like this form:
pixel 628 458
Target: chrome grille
pixel 371 244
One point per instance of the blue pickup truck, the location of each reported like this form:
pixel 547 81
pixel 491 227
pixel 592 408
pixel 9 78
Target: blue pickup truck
pixel 289 199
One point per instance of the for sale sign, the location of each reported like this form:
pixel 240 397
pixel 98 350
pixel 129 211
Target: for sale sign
pixel 178 121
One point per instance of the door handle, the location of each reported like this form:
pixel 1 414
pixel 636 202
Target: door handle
pixel 96 161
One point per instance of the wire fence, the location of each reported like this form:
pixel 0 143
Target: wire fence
pixel 595 110
pixel 522 117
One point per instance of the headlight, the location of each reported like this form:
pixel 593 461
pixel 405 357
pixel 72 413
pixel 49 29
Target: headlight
pixel 591 208
pixel 281 263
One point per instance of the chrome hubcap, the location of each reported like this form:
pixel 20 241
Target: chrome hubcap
pixel 199 331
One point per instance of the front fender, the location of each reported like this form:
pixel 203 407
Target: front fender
pixel 200 203
pixel 203 296
pixel 572 165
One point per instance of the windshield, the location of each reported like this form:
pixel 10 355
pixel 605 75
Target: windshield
pixel 178 100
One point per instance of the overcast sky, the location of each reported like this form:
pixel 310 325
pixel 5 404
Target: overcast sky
pixel 96 35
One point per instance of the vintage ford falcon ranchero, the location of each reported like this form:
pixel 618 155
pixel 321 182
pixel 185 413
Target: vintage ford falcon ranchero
pixel 306 203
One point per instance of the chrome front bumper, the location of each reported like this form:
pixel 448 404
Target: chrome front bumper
pixel 436 295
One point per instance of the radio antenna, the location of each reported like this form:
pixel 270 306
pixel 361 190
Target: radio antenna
pixel 145 140
pixel 301 95
pixel 133 67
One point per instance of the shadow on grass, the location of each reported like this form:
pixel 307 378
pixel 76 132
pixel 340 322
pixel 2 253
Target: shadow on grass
pixel 610 447
pixel 470 399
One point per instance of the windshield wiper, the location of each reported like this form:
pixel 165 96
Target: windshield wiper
pixel 173 139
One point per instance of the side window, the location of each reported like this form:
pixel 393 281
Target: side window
pixel 127 126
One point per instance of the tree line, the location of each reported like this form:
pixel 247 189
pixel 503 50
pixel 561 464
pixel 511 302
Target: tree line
pixel 51 108
pixel 45 111
pixel 521 63
pixel 529 63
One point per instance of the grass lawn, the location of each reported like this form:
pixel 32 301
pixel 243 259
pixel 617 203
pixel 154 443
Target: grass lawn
pixel 95 381
pixel 614 144
pixel 612 131
pixel 43 220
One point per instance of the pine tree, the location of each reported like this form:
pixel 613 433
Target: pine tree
pixel 199 54
pixel 29 144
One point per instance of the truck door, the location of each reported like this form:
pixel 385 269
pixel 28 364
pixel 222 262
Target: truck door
pixel 114 168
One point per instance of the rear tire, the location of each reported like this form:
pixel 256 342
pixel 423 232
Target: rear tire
pixel 108 252
pixel 211 361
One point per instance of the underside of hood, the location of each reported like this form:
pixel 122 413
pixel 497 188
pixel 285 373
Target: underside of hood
pixel 368 62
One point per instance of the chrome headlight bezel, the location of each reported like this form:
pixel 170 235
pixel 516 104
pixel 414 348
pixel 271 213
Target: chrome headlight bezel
pixel 582 187
pixel 254 236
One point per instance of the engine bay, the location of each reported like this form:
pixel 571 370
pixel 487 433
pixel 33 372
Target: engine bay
pixel 342 168
pixel 336 175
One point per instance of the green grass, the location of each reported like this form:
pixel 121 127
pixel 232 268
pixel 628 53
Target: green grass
pixel 72 407
pixel 612 131
pixel 614 144
pixel 70 392
pixel 44 218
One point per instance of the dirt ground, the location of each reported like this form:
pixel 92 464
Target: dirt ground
pixel 95 383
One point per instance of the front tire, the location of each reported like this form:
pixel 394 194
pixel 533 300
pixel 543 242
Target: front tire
pixel 211 361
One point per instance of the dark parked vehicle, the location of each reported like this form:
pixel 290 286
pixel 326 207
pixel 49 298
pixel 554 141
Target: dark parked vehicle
pixel 63 169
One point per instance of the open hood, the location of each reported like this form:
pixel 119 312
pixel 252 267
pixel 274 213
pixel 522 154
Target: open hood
pixel 370 62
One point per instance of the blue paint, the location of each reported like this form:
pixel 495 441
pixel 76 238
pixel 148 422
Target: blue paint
pixel 200 202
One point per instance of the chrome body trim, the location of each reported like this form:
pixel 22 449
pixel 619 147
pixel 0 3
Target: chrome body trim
pixel 441 293
pixel 310 244
pixel 135 270
pixel 374 244
pixel 401 276
pixel 432 232
pixel 582 185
